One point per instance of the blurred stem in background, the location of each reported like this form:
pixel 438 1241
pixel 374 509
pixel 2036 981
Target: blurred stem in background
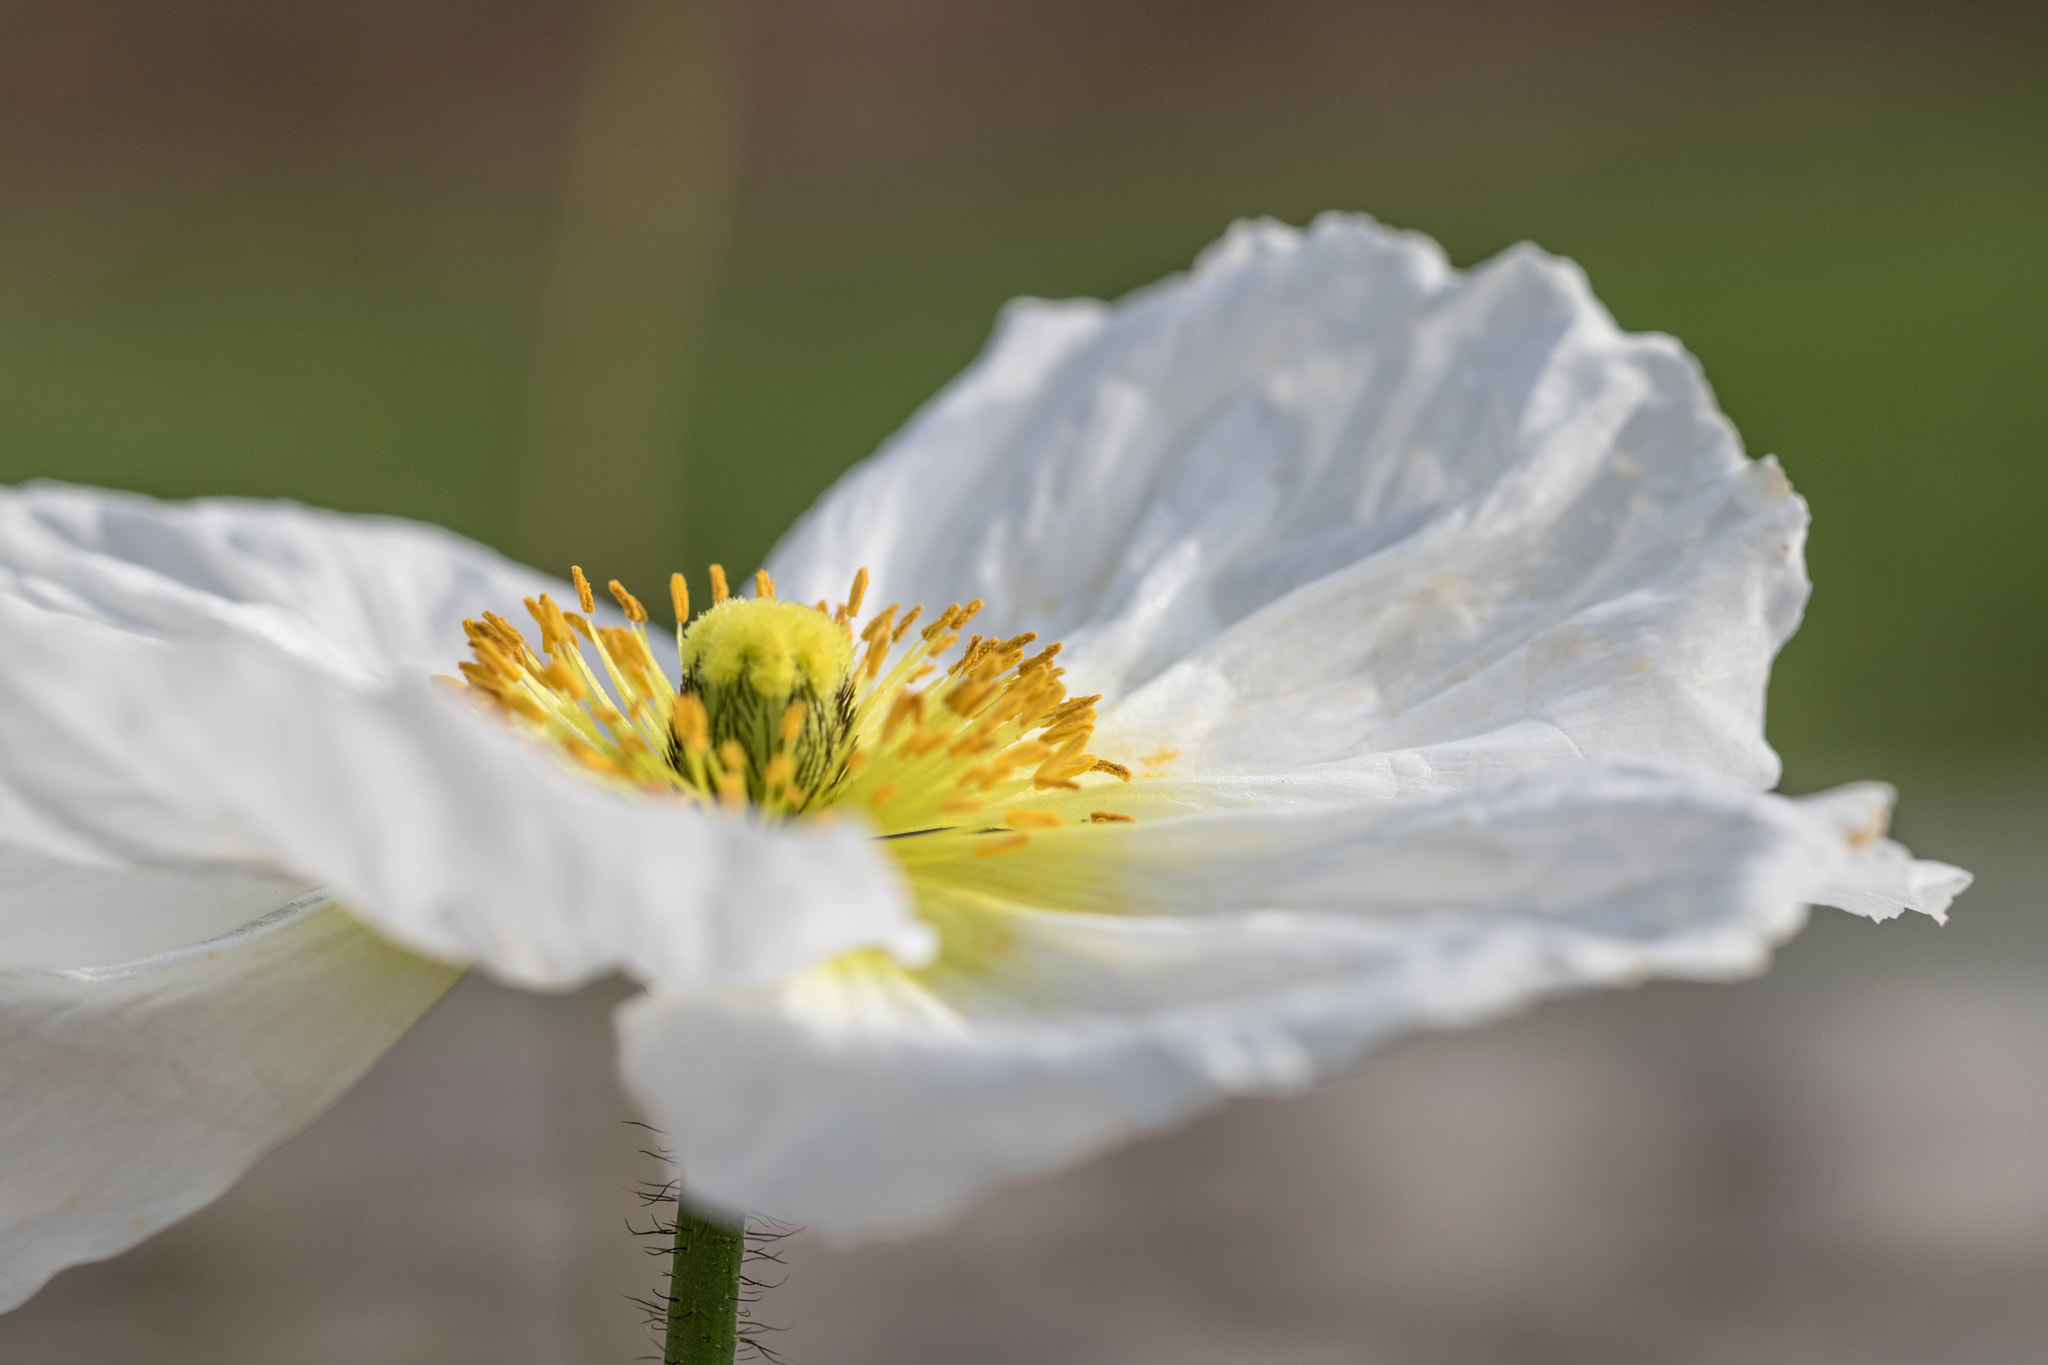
pixel 645 212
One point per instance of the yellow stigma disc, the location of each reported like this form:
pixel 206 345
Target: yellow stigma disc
pixel 773 648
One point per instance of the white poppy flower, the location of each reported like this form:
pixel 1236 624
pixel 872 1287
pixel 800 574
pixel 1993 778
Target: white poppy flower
pixel 1424 619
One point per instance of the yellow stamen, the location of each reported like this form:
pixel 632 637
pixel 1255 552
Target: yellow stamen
pixel 603 763
pixel 1033 819
pixel 796 710
pixel 583 597
pixel 908 706
pixel 627 602
pixel 691 726
pixel 564 679
pixel 991 845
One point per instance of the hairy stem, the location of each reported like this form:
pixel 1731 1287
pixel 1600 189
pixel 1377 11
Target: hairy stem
pixel 704 1291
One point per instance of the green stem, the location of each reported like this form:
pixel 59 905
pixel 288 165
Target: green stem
pixel 704 1291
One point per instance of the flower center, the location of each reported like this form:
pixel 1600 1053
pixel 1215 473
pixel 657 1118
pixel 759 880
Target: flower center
pixel 786 709
pixel 771 678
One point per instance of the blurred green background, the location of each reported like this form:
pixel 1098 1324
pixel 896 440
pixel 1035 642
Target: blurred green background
pixel 318 251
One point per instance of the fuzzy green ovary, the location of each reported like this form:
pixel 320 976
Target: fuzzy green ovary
pixel 747 660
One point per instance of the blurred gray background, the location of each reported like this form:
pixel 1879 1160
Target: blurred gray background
pixel 629 281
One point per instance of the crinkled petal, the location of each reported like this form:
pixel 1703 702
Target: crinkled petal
pixel 1209 956
pixel 1326 498
pixel 133 1094
pixel 457 838
pixel 365 597
pixel 1883 880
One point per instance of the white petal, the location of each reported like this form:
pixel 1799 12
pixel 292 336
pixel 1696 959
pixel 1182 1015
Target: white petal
pixel 1572 838
pixel 1247 953
pixel 57 915
pixel 362 596
pixel 1883 880
pixel 458 839
pixel 1328 497
pixel 132 1095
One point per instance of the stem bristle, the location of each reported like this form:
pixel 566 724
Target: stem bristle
pixel 704 1313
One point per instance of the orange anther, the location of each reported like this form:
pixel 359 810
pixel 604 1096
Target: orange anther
pixel 627 602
